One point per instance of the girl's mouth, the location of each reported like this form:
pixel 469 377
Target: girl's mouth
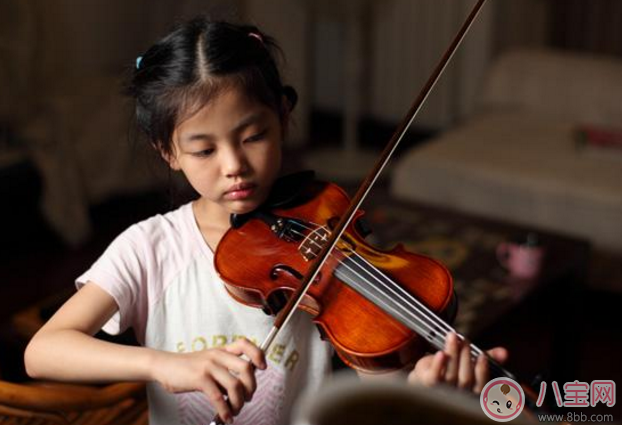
pixel 240 192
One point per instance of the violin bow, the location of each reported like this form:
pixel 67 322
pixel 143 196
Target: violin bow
pixel 287 312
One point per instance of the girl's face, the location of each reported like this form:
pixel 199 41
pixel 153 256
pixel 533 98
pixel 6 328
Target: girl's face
pixel 230 152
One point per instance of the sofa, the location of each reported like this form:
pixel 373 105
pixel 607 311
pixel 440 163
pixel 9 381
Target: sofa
pixel 533 153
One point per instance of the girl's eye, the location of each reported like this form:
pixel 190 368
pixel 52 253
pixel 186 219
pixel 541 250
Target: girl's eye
pixel 257 137
pixel 204 153
pixel 508 404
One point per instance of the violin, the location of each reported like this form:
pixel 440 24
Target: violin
pixel 380 309
pixel 377 308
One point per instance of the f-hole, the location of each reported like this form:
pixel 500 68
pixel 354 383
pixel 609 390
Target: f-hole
pixel 284 268
pixel 275 302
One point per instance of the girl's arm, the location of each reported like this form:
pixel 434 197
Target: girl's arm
pixel 64 349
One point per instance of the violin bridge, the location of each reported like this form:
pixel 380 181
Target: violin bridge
pixel 314 242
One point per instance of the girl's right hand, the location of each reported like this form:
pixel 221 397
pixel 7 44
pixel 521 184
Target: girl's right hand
pixel 217 372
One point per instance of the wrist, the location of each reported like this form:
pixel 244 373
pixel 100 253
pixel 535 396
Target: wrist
pixel 154 363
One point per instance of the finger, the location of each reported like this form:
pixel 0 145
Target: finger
pixel 452 349
pixel 241 369
pixel 465 371
pixel 423 364
pixel 243 346
pixel 215 396
pixel 434 373
pixel 233 387
pixel 439 364
pixel 482 374
pixel 246 374
pixel 499 354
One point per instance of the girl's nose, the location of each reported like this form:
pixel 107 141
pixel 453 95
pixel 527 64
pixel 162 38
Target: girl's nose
pixel 234 162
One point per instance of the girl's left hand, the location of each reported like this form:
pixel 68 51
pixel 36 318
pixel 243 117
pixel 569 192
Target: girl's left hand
pixel 455 367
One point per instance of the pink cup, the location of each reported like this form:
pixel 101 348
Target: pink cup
pixel 521 260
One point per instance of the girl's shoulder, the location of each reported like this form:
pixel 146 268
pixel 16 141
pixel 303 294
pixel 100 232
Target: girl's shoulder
pixel 176 218
pixel 173 229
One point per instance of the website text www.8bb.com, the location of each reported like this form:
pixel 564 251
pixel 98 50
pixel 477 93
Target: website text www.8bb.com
pixel 575 417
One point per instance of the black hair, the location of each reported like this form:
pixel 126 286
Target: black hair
pixel 187 68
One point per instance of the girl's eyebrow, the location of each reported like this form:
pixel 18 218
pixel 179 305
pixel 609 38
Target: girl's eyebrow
pixel 244 123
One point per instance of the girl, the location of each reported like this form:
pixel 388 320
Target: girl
pixel 210 99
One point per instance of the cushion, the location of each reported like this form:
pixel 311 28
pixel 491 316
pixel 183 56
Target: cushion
pixel 578 87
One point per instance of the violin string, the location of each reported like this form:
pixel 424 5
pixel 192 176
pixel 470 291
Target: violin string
pixel 474 350
pixel 427 320
pixel 413 303
pixel 416 305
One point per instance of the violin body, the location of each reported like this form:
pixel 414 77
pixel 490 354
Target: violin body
pixel 264 259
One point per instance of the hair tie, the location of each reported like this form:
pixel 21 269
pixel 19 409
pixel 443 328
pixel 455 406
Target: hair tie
pixel 257 36
pixel 138 61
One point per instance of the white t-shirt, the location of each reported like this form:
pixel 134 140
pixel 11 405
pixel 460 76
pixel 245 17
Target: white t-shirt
pixel 161 274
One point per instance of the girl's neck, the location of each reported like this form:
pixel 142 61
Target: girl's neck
pixel 213 222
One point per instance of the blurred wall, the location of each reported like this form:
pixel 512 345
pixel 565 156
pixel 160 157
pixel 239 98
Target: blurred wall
pixel 587 25
pixel 404 41
pixel 288 22
pixel 520 23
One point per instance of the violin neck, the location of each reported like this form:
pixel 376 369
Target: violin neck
pixel 498 371
pixel 494 368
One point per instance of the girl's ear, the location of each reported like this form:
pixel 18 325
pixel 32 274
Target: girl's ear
pixel 169 157
pixel 291 97
pixel 286 110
